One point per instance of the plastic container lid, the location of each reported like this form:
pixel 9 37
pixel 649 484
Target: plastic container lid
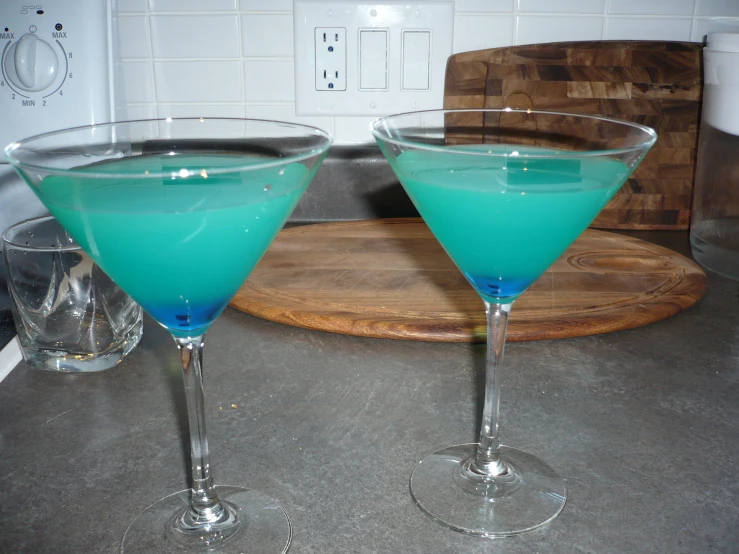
pixel 724 42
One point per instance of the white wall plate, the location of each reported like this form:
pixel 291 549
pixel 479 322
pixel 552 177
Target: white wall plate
pixel 396 54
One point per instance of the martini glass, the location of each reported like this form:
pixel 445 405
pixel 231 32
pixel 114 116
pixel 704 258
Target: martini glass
pixel 178 212
pixel 505 192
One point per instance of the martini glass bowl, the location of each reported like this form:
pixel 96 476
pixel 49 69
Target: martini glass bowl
pixel 505 192
pixel 178 212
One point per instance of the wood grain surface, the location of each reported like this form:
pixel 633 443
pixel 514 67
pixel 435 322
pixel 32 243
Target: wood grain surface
pixel 390 278
pixel 658 84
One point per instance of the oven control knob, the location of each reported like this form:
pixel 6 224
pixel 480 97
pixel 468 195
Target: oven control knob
pixel 31 64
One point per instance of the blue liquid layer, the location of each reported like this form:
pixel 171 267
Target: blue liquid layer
pixel 496 288
pixel 196 317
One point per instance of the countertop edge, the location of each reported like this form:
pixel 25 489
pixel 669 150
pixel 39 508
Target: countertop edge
pixel 10 356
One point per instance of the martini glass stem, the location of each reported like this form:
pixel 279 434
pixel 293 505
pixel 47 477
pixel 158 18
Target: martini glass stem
pixel 205 508
pixel 487 458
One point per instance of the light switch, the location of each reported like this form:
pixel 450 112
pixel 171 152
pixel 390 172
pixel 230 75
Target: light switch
pixel 416 57
pixel 373 59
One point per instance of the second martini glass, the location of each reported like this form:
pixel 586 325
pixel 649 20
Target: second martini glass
pixel 178 212
pixel 505 192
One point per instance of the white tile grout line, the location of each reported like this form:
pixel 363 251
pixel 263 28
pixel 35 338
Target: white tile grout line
pixel 152 72
pixel 694 22
pixel 10 356
pixel 242 72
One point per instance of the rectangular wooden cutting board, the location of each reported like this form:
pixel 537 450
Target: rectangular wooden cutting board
pixel 654 83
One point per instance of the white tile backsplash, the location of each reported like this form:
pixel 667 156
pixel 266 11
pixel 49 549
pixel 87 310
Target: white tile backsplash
pixel 138 83
pixel 656 28
pixel 235 57
pixel 482 31
pixel 269 80
pixel 267 35
pixel 132 6
pixel 200 110
pixel 718 8
pixel 531 29
pixel 192 5
pixel 353 130
pixel 286 112
pixel 483 6
pixel 134 43
pixel 562 6
pixel 198 81
pixel 195 36
pixel 266 5
pixel 714 24
pixel 141 111
pixel 652 7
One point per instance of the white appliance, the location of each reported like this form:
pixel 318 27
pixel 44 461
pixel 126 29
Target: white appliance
pixel 58 66
pixel 59 69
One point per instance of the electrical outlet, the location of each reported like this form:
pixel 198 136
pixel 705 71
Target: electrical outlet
pixel 330 48
pixel 361 57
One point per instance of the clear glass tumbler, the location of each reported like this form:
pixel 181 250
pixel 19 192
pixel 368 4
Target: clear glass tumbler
pixel 69 315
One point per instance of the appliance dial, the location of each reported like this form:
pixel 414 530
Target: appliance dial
pixel 31 63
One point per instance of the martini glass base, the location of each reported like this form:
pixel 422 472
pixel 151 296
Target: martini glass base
pixel 529 496
pixel 263 526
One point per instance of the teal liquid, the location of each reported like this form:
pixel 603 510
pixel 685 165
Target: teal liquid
pixel 504 221
pixel 180 247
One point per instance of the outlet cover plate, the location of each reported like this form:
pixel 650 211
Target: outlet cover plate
pixel 395 16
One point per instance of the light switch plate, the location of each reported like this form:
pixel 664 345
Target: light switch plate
pixel 395 16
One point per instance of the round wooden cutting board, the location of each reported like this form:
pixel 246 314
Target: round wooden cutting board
pixel 390 278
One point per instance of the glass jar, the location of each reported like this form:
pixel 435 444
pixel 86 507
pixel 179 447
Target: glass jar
pixel 714 226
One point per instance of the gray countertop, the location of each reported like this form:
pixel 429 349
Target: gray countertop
pixel 642 424
pixel 7 330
